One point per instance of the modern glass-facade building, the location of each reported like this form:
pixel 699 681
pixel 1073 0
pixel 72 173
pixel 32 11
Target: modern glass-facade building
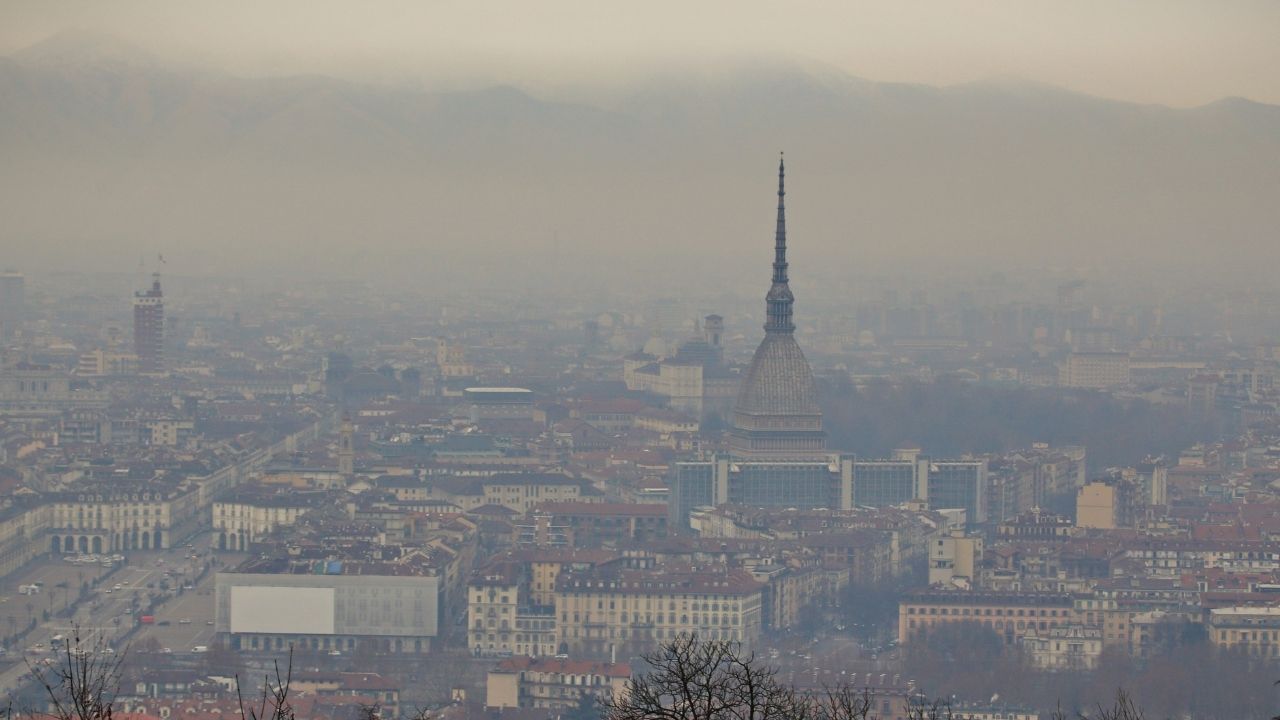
pixel 883 483
pixel 759 483
pixel 959 484
pixel 841 482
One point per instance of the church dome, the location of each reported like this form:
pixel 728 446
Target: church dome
pixel 779 381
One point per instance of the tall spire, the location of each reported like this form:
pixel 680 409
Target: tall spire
pixel 780 235
pixel 779 300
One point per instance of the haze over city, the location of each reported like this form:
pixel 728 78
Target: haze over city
pixel 345 141
pixel 645 361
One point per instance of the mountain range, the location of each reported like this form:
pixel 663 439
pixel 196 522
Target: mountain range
pixel 110 153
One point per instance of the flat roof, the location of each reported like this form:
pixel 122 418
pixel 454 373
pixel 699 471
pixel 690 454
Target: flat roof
pixel 1247 610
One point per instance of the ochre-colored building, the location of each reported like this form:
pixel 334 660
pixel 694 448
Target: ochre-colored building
pixel 631 611
pixel 1009 614
pixel 555 683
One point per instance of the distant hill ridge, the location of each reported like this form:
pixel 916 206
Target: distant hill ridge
pixel 106 143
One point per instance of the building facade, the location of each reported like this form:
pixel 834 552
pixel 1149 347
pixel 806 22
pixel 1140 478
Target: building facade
pixel 1073 647
pixel 326 606
pixel 1008 614
pixel 553 683
pixel 94 521
pixel 600 612
pixel 148 328
pixel 1255 630
pixel 1097 370
pixel 247 515
pixel 40 391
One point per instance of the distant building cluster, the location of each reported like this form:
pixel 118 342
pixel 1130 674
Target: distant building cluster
pixel 516 504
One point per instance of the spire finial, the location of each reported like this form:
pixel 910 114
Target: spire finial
pixel 780 299
pixel 782 172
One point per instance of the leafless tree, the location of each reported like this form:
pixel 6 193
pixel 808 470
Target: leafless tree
pixel 840 703
pixel 920 709
pixel 693 679
pixel 273 702
pixel 1123 709
pixel 83 683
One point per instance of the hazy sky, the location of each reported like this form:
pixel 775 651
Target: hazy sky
pixel 1177 52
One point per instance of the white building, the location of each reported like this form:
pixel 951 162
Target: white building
pixel 247 515
pixel 1095 370
pixel 142 518
pixel 327 605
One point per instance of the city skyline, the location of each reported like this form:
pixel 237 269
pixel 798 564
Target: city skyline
pixel 420 361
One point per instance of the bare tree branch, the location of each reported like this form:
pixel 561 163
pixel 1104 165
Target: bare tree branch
pixel 83 684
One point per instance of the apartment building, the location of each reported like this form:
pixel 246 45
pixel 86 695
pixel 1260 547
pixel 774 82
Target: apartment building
pixel 1009 614
pixel 493 599
pixel 248 514
pixel 608 610
pixel 1255 630
pixel 519 492
pixel 1073 647
pixel 141 518
pixel 1095 370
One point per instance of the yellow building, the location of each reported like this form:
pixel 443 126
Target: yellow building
pixel 451 359
pixel 554 683
pixel 1096 506
pixel 493 596
pixel 511 601
pixel 520 492
pixel 1008 614
pixel 955 558
pixel 630 611
pixel 1255 630
pixel 97 363
pixel 545 566
pixel 523 491
pixel 665 422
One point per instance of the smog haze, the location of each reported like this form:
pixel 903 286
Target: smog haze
pixel 393 141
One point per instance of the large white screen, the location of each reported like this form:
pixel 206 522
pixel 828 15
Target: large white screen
pixel 281 610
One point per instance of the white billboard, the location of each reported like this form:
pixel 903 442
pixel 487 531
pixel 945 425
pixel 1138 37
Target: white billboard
pixel 282 610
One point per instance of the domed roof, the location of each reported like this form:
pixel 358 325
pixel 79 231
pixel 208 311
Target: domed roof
pixel 779 381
